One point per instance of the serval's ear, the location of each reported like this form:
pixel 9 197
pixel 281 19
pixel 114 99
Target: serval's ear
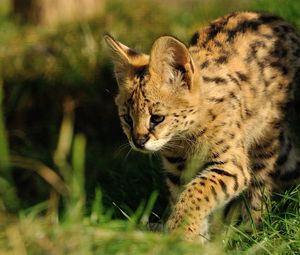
pixel 171 59
pixel 126 61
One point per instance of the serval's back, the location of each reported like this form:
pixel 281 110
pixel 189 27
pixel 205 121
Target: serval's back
pixel 226 97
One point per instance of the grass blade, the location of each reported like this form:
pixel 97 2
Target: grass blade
pixel 77 192
pixel 7 189
pixel 4 150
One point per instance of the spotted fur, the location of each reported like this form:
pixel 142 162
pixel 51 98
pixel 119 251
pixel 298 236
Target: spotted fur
pixel 216 111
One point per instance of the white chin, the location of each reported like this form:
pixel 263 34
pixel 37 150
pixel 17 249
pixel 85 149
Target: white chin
pixel 155 145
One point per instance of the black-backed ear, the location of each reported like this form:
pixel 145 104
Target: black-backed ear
pixel 126 61
pixel 171 59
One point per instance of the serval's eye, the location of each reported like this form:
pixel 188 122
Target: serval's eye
pixel 156 119
pixel 128 119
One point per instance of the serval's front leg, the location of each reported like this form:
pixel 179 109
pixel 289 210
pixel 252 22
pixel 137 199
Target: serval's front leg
pixel 223 178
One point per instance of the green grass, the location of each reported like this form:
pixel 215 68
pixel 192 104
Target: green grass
pixel 67 184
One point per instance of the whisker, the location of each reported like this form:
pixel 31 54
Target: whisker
pixel 156 154
pixel 153 155
pixel 127 155
pixel 121 148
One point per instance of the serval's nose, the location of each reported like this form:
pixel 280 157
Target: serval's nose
pixel 139 140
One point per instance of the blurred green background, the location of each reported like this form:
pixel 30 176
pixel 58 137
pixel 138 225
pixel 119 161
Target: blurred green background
pixel 61 146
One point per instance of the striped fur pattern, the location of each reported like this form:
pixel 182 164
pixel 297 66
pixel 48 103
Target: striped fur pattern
pixel 228 92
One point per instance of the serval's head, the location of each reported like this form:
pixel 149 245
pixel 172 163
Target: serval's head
pixel 157 98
